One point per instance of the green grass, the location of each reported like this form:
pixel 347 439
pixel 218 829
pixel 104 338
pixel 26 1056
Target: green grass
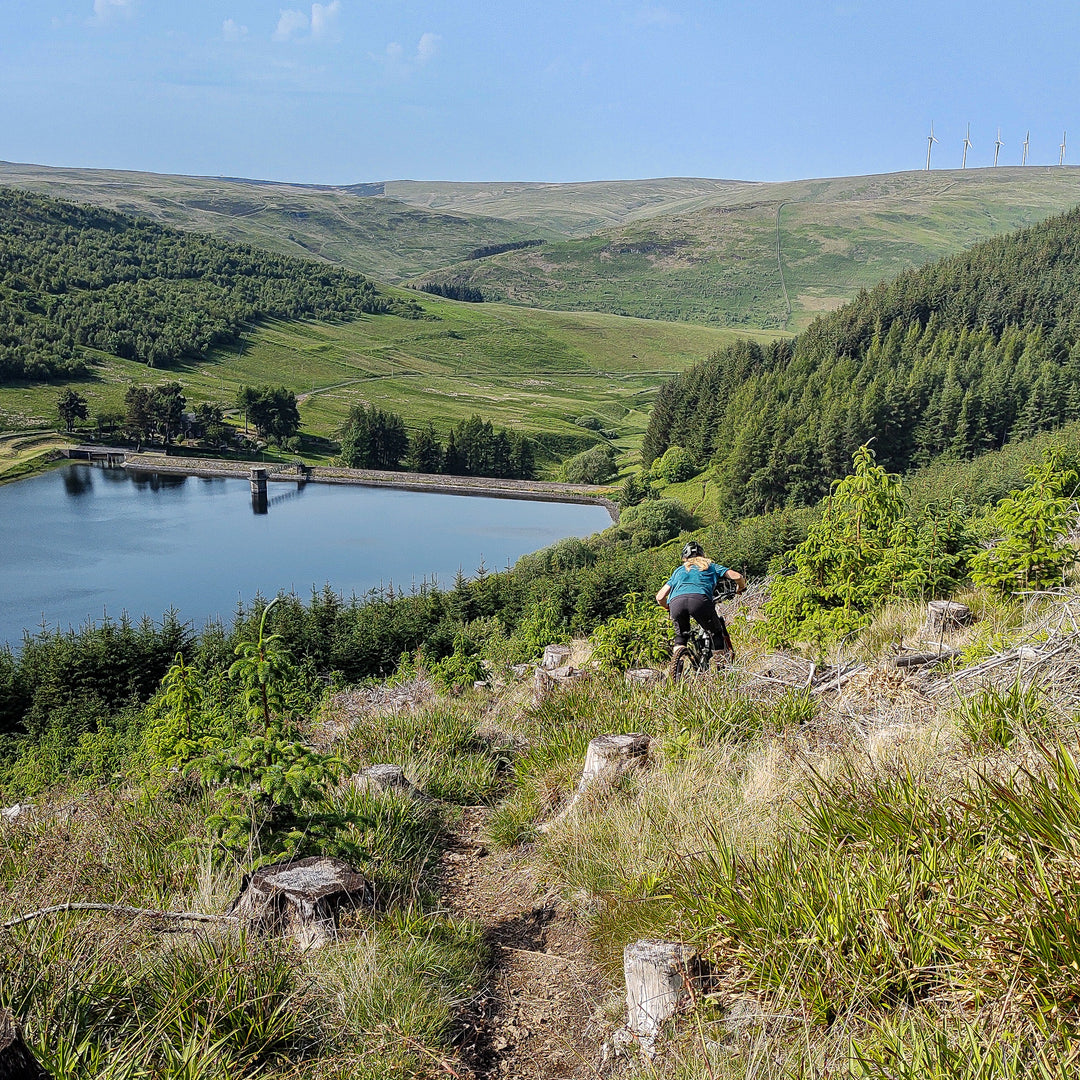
pixel 713 259
pixel 677 249
pixel 377 236
pixel 536 371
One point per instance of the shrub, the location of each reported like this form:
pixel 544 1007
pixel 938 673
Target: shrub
pixel 640 637
pixel 653 522
pixel 590 423
pixel 1031 552
pixel 863 550
pixel 675 466
pixel 595 466
pixel 461 669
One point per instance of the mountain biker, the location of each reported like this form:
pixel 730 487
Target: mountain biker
pixel 688 593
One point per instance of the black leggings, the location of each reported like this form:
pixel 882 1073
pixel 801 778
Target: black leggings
pixel 695 606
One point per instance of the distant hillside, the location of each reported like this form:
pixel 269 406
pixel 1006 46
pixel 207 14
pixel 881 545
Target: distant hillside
pixel 954 359
pixel 537 372
pixel 346 226
pixel 677 249
pixel 76 278
pixel 715 258
pixel 571 209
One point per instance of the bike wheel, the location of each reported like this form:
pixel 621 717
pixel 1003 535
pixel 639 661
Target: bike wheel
pixel 679 664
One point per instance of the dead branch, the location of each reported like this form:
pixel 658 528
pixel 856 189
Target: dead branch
pixel 921 659
pixel 120 909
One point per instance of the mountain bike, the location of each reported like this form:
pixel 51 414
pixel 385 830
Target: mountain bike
pixel 698 651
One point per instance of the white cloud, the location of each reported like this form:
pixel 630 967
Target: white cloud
pixel 427 47
pixel 320 25
pixel 324 18
pixel 398 63
pixel 231 30
pixel 291 24
pixel 106 9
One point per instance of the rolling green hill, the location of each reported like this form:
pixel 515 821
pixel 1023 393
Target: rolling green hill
pixel 570 209
pixel 374 235
pixel 715 260
pixel 681 249
pixel 534 371
pixel 947 361
pixel 75 278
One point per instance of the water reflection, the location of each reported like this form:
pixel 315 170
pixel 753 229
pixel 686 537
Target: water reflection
pixel 259 502
pixel 81 540
pixel 113 474
pixel 78 481
pixel 156 481
pixel 277 500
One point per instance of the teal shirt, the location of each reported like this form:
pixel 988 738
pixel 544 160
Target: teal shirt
pixel 685 582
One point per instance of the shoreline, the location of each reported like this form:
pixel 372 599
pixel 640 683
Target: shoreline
pixel 433 483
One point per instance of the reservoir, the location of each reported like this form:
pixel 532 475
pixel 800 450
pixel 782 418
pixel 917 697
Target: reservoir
pixel 81 542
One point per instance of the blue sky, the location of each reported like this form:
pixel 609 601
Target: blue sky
pixel 361 90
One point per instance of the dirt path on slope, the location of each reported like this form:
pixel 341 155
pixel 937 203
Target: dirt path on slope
pixel 538 1018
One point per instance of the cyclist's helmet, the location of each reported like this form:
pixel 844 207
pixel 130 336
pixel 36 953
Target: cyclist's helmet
pixel 693 550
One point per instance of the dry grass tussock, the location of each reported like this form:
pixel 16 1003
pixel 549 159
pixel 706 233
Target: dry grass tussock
pixel 884 875
pixel 886 879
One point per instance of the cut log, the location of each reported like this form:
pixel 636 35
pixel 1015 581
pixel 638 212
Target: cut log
pixel 646 676
pixel 662 977
pixel 378 779
pixel 16 1060
pixel 945 615
pixel 301 898
pixel 555 656
pixel 909 660
pixel 607 758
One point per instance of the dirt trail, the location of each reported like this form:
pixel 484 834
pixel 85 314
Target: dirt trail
pixel 538 1018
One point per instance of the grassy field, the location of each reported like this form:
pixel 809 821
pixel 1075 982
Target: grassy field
pixel 376 236
pixel 536 371
pixel 678 249
pixel 718 262
pixel 570 209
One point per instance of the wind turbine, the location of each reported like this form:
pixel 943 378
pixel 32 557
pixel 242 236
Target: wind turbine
pixel 967 146
pixel 1061 160
pixel 997 147
pixel 930 140
pixel 1027 139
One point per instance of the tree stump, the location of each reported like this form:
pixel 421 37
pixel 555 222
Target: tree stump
pixel 945 615
pixel 378 779
pixel 555 656
pixel 607 758
pixel 662 977
pixel 545 682
pixel 543 687
pixel 301 898
pixel 16 1060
